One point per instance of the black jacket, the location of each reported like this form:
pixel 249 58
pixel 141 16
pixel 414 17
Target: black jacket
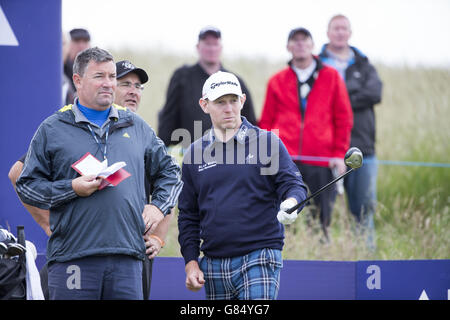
pixel 364 89
pixel 182 108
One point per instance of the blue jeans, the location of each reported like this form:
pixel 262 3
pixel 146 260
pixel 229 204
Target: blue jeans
pixel 361 189
pixel 111 277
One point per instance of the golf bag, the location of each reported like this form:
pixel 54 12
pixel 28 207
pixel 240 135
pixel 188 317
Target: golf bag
pixel 12 279
pixel 13 269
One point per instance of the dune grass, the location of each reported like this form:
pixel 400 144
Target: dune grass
pixel 412 220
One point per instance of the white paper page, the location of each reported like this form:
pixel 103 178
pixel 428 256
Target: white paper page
pixel 111 169
pixel 90 165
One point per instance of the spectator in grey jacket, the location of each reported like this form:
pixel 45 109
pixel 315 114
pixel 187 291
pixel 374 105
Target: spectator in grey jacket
pixel 364 89
pixel 97 233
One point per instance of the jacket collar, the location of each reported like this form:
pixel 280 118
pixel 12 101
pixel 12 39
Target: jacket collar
pixel 318 67
pixel 200 68
pixel 80 117
pixel 359 56
pixel 239 136
pixel 117 114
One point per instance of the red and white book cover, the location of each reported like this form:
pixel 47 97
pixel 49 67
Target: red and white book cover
pixel 112 175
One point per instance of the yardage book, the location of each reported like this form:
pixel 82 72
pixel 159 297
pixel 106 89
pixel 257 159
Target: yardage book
pixel 112 175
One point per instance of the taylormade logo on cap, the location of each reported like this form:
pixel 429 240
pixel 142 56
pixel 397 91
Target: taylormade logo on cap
pixel 214 85
pixel 220 84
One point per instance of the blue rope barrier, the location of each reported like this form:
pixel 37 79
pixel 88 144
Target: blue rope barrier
pixel 381 162
pixel 414 164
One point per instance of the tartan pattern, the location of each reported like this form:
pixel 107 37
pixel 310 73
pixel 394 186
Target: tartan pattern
pixel 254 276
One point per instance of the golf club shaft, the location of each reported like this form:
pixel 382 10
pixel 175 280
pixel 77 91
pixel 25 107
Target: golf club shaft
pixel 298 205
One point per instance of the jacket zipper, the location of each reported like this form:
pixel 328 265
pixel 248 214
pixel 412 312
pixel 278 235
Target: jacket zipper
pixel 302 117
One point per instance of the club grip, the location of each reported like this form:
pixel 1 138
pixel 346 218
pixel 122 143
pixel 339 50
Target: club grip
pixel 298 205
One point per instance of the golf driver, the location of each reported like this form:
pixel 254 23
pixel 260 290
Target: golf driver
pixel 353 159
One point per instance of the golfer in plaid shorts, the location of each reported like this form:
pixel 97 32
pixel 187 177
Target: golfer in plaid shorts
pixel 238 182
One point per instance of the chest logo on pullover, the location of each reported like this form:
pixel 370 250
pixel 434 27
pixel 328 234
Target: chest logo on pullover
pixel 249 158
pixel 126 135
pixel 206 166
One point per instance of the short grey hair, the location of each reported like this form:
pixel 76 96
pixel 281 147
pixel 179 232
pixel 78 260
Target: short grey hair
pixel 338 16
pixel 84 57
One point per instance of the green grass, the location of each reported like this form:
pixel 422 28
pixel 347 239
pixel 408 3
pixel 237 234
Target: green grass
pixel 413 215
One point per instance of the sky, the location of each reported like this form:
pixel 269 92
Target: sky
pixel 393 32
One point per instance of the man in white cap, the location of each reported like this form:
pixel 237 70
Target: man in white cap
pixel 238 179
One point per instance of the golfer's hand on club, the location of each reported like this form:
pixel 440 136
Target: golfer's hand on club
pixel 194 276
pixel 152 217
pixel 339 164
pixel 84 186
pixel 284 217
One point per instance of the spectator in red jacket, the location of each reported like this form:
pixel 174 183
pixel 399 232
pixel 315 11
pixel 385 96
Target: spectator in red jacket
pixel 308 103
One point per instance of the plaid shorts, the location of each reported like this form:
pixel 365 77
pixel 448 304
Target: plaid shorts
pixel 253 276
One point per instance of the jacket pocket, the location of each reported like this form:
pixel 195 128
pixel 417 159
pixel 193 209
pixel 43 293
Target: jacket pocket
pixel 273 258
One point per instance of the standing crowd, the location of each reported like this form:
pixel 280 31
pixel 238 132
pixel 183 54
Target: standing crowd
pixel 239 176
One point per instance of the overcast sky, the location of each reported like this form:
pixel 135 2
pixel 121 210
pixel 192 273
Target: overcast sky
pixel 412 32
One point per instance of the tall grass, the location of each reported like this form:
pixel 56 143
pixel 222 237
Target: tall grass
pixel 412 220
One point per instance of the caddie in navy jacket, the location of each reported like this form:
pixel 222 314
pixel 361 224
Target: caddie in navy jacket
pixel 233 187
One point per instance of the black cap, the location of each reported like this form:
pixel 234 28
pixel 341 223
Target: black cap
pixel 124 67
pixel 209 30
pixel 80 34
pixel 301 30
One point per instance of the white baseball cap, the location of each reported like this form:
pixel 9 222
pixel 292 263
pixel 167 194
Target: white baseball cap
pixel 220 84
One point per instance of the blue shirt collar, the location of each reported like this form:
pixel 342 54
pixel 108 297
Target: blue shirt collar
pixel 91 115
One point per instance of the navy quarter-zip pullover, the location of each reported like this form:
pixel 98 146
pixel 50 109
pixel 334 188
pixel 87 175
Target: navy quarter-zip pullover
pixel 232 193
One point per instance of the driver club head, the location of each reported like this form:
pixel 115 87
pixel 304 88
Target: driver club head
pixel 353 158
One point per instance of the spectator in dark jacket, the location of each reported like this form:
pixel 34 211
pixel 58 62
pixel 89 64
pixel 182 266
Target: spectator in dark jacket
pixel 181 109
pixel 80 39
pixel 68 91
pixel 364 89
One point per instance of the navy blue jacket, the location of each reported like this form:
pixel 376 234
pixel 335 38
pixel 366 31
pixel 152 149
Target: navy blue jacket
pixel 181 109
pixel 232 205
pixel 364 90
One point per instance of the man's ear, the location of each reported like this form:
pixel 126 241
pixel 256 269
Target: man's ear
pixel 204 105
pixel 288 48
pixel 76 80
pixel 243 98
